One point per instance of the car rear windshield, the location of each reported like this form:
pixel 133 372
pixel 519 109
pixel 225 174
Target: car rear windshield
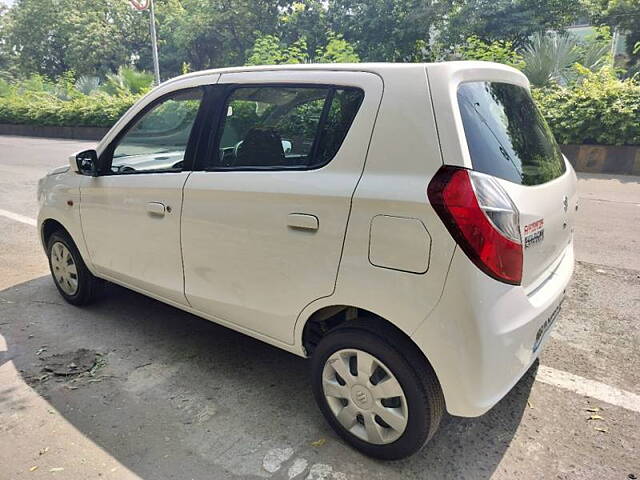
pixel 506 134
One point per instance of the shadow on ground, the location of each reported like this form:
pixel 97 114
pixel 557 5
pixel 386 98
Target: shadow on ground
pixel 179 397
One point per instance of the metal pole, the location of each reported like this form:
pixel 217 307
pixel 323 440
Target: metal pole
pixel 614 46
pixel 154 42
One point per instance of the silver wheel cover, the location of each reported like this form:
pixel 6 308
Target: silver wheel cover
pixel 370 404
pixel 63 268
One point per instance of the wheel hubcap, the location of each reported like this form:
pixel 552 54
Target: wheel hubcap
pixel 63 268
pixel 365 397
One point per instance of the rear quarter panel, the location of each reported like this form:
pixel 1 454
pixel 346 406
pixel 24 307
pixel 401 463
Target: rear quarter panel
pixel 403 156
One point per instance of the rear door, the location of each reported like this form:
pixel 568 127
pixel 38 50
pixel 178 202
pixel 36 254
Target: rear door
pixel 508 139
pixel 263 221
pixel 487 121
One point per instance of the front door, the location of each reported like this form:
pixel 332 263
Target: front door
pixel 131 212
pixel 264 219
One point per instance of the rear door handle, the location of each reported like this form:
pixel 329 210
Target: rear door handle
pixel 302 221
pixel 156 209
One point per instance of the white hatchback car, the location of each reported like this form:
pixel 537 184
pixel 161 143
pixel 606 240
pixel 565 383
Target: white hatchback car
pixel 406 226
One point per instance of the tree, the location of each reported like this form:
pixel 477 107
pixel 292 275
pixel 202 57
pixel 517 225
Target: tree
pixel 625 16
pixel 270 50
pixel 38 37
pixel 216 33
pixel 7 58
pixel 53 36
pixel 105 34
pixel 385 30
pixel 507 20
pixel 497 51
pixel 306 18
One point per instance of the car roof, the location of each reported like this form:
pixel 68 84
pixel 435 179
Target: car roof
pixel 378 68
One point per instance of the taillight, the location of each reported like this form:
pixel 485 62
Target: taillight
pixel 481 218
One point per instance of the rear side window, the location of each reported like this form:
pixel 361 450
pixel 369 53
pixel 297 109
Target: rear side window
pixel 506 134
pixel 282 127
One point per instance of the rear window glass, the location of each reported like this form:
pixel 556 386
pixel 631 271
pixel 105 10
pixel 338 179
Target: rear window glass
pixel 506 134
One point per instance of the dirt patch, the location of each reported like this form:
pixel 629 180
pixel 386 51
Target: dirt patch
pixel 71 363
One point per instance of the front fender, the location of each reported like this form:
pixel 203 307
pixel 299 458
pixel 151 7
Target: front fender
pixel 59 200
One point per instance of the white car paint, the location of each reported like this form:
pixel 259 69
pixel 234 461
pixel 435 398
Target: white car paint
pixel 246 269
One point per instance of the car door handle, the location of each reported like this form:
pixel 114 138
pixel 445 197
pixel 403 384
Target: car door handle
pixel 156 209
pixel 302 221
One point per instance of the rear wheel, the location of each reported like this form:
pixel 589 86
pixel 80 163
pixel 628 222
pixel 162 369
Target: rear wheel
pixel 376 390
pixel 71 276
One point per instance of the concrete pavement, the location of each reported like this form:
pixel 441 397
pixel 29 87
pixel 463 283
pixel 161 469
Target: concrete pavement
pixel 179 397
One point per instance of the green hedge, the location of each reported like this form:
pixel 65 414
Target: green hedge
pixel 100 110
pixel 599 109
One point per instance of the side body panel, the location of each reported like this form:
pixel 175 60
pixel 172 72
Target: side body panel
pixel 128 242
pixel 403 156
pixel 246 261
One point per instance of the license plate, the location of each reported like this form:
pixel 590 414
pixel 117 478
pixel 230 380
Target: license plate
pixel 546 326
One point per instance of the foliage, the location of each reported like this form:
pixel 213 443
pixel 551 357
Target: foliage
pixel 550 58
pixel 73 62
pixel 306 17
pixel 127 81
pixel 385 30
pixel 496 51
pixel 599 109
pixel 34 108
pixel 270 50
pixel 507 20
pixel 337 50
pixel 211 33
pixel 53 36
pixel 623 15
pixel 95 38
pixel 87 84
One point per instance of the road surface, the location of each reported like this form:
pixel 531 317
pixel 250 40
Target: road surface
pixel 177 397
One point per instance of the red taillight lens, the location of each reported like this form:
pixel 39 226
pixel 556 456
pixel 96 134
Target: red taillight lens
pixel 488 234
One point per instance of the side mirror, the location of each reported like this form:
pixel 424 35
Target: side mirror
pixel 87 163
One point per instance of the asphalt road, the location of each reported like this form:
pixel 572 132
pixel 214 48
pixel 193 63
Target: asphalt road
pixel 177 397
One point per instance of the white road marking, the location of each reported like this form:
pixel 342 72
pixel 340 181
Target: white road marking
pixel 299 466
pixel 275 457
pixel 589 388
pixel 321 471
pixel 18 217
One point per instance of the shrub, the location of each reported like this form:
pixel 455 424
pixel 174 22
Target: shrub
pixel 34 108
pixel 498 51
pixel 599 109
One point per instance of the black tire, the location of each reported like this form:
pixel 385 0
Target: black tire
pixel 416 377
pixel 88 285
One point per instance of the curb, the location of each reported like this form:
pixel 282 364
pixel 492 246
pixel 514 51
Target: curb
pixel 619 160
pixel 75 133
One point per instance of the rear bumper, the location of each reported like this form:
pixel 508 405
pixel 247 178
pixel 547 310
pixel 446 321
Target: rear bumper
pixel 480 338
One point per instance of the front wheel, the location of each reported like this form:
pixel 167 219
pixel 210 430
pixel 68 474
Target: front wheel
pixel 71 276
pixel 376 391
